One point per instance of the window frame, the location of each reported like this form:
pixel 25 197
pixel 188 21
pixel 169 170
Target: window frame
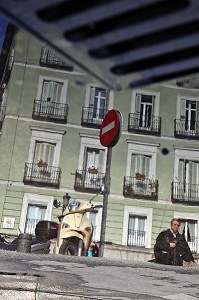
pixel 140 211
pixel 98 221
pixel 147 93
pixel 49 136
pixel 110 95
pixel 189 216
pixel 186 154
pixel 142 149
pixel 48 78
pixel 88 141
pixel 179 99
pixel 36 200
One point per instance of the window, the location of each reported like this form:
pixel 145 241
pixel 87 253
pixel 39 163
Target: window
pixel 146 105
pixel 52 90
pixel 94 158
pixel 35 213
pixel 34 208
pixel 92 154
pixel 190 228
pixel 97 100
pixel 141 164
pixel 137 226
pixel 136 231
pixel 188 171
pixel 45 145
pixel 44 151
pixel 141 159
pixel 187 114
pixel 95 217
pixel 186 174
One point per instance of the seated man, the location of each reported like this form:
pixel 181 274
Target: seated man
pixel 171 247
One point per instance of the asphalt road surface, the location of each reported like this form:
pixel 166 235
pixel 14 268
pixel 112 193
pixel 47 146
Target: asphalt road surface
pixel 32 277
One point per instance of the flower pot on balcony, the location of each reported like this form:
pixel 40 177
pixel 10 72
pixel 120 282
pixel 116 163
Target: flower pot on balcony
pixel 92 170
pixel 42 164
pixel 139 176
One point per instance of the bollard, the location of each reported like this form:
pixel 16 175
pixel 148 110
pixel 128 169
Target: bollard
pixel 24 243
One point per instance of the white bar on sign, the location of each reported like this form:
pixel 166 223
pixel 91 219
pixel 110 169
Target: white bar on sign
pixel 108 127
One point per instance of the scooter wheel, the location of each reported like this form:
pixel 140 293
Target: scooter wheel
pixel 68 248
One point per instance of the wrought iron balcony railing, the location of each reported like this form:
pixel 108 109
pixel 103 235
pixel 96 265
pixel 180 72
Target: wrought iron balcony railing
pixel 50 59
pixel 2 115
pixel 88 182
pixel 143 188
pixel 186 129
pixel 92 117
pixel 186 193
pixel 50 111
pixel 30 225
pixel 143 124
pixel 193 244
pixel 42 175
pixel 136 238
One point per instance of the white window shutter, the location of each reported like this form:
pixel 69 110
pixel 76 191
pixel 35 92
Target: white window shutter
pixel 92 95
pixel 181 173
pixel 137 103
pixel 183 109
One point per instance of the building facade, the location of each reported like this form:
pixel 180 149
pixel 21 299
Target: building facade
pixel 50 146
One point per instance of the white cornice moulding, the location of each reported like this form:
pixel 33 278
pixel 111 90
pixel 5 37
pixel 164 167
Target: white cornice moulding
pixel 88 135
pixel 185 148
pixel 143 143
pixel 48 130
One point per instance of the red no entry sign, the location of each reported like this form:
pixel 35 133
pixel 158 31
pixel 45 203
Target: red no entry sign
pixel 110 129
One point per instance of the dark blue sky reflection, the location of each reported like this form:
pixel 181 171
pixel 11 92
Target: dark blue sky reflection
pixel 3 26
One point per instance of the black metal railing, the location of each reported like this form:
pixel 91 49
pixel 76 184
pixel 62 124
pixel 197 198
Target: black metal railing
pixel 50 111
pixel 185 129
pixel 187 193
pixel 30 225
pixel 92 117
pixel 88 182
pixel 42 176
pixel 142 124
pixel 193 244
pixel 2 115
pixel 50 59
pixel 136 238
pixel 144 188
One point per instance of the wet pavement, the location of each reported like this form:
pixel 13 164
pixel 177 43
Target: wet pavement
pixel 38 277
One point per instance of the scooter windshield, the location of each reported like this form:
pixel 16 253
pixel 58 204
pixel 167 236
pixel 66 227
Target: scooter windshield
pixel 73 205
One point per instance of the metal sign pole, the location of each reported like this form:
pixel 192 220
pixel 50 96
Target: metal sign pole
pixel 105 201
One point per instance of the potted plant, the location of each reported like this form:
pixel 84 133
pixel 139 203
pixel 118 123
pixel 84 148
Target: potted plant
pixel 92 170
pixel 140 176
pixel 41 164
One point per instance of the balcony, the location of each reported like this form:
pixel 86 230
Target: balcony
pixel 2 115
pixel 136 238
pixel 140 188
pixel 86 181
pixel 48 176
pixel 92 117
pixel 50 59
pixel 192 242
pixel 143 124
pixel 186 130
pixel 185 193
pixel 50 111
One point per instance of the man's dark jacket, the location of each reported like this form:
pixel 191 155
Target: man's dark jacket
pixel 166 255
